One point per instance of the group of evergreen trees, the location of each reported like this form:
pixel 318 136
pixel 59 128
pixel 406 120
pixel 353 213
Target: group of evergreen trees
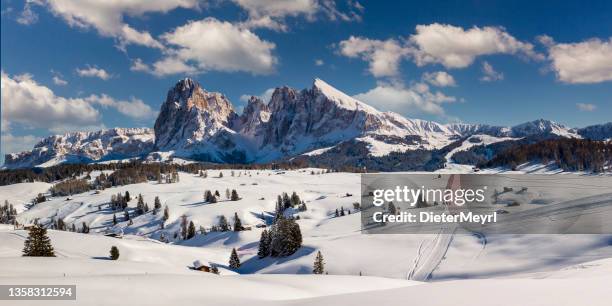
pixel 283 239
pixel 568 154
pixel 210 197
pixel 7 213
pixel 70 187
pixel 342 212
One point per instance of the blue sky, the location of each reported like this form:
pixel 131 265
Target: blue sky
pixel 97 64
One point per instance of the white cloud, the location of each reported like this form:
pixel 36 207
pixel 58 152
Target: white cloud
pixel 489 73
pixel 586 107
pixel 91 71
pixel 134 108
pixel 210 44
pixel 58 79
pixel 107 17
pixel 265 96
pixel 455 47
pixel 27 102
pixel 14 144
pixel 271 14
pixel 319 62
pixel 589 61
pixel 439 78
pixel 383 56
pixel 412 100
pixel 28 16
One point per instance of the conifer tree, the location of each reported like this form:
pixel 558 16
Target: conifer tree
pixel 126 216
pixel 264 244
pixel 38 243
pixel 223 226
pixel 227 193
pixel 157 203
pixel 127 197
pixel 237 223
pixel 319 265
pixel 191 231
pixel 235 196
pixel 184 226
pixel 114 253
pixel 114 219
pixel 234 261
pixel 166 213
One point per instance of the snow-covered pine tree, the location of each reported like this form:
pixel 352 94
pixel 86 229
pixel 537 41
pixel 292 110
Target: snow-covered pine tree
pixel 223 225
pixel 264 244
pixel 319 264
pixel 114 253
pixel 234 261
pixel 286 238
pixel 228 194
pixel 184 225
pixel 237 223
pixel 114 219
pixel 140 205
pixel 126 216
pixel 38 243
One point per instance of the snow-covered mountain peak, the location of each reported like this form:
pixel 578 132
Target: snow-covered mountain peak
pixel 342 99
pixel 543 126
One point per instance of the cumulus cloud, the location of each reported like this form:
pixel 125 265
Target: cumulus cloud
pixel 416 99
pixel 93 72
pixel 489 73
pixel 589 61
pixel 439 78
pixel 319 62
pixel 586 107
pixel 34 105
pixel 455 47
pixel 107 17
pixel 134 108
pixel 271 14
pixel 210 44
pixel 383 56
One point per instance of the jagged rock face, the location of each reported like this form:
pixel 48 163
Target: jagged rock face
pixel 194 123
pixel 191 116
pixel 115 143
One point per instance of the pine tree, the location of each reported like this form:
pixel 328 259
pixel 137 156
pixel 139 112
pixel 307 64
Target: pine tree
pixel 227 194
pixel 184 226
pixel 337 214
pixel 126 216
pixel 127 197
pixel 114 253
pixel 220 174
pixel 235 196
pixel 191 231
pixel 286 238
pixel 264 244
pixel 140 205
pixel 295 199
pixel 237 223
pixel 234 261
pixel 319 265
pixel 342 211
pixel 166 213
pixel 114 219
pixel 223 226
pixel 156 205
pixel 85 228
pixel 38 243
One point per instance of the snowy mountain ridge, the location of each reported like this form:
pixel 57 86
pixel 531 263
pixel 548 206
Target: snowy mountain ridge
pixel 197 124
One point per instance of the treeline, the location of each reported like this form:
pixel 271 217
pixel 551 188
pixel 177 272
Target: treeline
pixel 568 154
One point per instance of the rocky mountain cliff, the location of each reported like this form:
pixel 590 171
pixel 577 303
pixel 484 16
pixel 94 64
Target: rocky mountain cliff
pixel 197 124
pixel 84 147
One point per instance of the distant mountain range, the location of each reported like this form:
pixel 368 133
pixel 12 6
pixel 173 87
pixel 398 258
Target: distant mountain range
pixel 197 124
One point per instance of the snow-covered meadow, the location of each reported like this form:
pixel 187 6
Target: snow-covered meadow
pixel 435 269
